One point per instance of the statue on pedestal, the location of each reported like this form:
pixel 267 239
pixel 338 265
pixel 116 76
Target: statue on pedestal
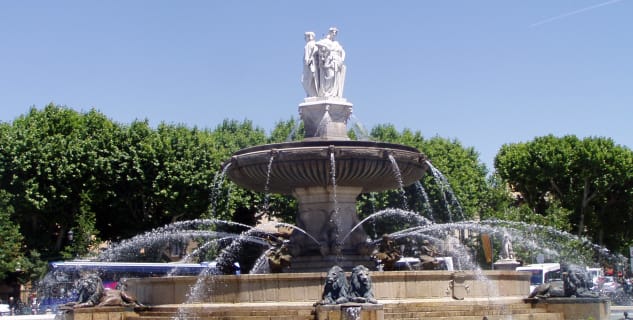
pixel 507 252
pixel 323 66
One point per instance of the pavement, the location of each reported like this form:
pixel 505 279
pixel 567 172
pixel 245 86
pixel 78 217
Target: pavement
pixel 617 312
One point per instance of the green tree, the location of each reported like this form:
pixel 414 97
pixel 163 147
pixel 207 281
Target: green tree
pixel 52 163
pixel 286 131
pixel 589 177
pixel 124 203
pixel 182 184
pixel 12 258
pixel 231 202
pixel 460 166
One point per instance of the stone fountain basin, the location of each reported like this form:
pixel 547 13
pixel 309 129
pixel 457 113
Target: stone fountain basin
pixel 363 164
pixel 308 287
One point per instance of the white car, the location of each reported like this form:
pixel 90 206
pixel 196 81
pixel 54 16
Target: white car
pixel 5 310
pixel 608 284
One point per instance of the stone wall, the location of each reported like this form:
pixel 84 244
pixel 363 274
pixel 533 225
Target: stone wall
pixel 308 287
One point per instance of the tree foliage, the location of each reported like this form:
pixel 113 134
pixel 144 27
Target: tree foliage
pixel 462 198
pixel 69 172
pixel 590 177
pixel 63 170
pixel 12 258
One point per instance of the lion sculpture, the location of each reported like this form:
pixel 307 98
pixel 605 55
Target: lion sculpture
pixel 336 289
pixel 91 293
pixel 360 286
pixel 573 284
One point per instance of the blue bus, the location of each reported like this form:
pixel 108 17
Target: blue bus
pixel 57 286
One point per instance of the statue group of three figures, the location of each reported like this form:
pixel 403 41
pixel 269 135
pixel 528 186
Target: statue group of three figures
pixel 323 66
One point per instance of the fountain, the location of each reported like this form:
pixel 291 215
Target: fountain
pixel 326 172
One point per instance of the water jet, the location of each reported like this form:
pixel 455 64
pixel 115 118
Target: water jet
pixel 326 172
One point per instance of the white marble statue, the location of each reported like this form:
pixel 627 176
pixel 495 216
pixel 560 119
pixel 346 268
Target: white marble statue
pixel 328 63
pixel 339 58
pixel 309 79
pixel 506 248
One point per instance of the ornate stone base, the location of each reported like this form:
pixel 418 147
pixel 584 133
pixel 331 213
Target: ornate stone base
pixel 403 295
pixel 506 264
pixel 328 217
pixel 325 118
pixel 350 311
pixel 576 308
pixel 322 264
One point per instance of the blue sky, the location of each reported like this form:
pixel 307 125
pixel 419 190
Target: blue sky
pixel 483 72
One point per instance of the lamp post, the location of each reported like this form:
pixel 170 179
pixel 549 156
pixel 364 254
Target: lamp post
pixel 71 237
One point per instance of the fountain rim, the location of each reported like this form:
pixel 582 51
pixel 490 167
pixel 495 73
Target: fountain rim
pixel 319 151
pixel 325 143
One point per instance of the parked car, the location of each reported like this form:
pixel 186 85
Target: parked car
pixel 608 284
pixel 5 310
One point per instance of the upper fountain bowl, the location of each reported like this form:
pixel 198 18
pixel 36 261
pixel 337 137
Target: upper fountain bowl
pixel 363 164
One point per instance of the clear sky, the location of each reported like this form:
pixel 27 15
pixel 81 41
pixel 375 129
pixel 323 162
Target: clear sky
pixel 483 72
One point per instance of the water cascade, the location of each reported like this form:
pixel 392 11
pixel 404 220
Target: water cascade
pixel 326 173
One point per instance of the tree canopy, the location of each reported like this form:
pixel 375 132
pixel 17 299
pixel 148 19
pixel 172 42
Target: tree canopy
pixel 464 195
pixel 65 172
pixel 591 177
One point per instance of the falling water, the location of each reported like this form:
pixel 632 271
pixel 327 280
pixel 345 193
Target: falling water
pixel 267 185
pixel 409 216
pixel 293 131
pixel 396 172
pixel 427 202
pixel 351 313
pixel 359 130
pixel 261 265
pixel 206 246
pixel 282 224
pixel 445 188
pixel 218 181
pixel 325 121
pixel 175 233
pixel 372 201
pixel 552 242
pixel 334 218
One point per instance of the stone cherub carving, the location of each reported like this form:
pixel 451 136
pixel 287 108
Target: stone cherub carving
pixel 323 66
pixel 427 256
pixel 387 254
pixel 278 255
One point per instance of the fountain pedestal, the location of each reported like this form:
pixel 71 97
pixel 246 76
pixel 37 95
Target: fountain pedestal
pixel 350 311
pixel 328 214
pixel 325 118
pixel 506 264
pixel 326 177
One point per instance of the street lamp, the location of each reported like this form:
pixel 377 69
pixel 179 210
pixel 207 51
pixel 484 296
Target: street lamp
pixel 71 236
